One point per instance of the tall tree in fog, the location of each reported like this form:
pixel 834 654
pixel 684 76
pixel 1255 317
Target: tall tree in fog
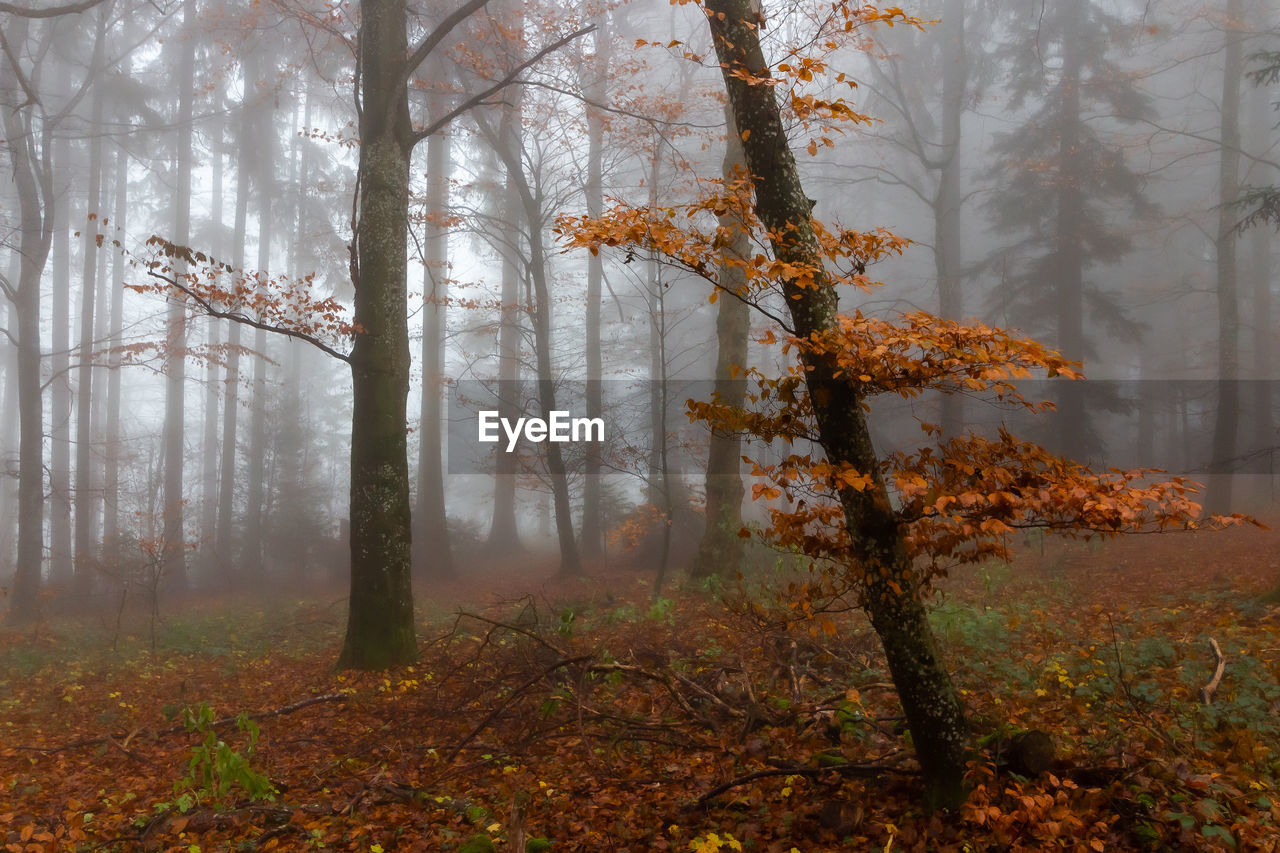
pixel 59 501
pixel 530 196
pixel 504 534
pixel 721 549
pixel 1227 417
pixel 1060 177
pixel 264 161
pixel 27 133
pixel 30 119
pixel 380 629
pixel 86 491
pixel 225 542
pixel 595 85
pixel 174 545
pixel 925 81
pixel 431 531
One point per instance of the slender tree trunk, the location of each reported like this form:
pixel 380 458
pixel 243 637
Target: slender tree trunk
pixel 86 494
pixel 380 631
pixel 891 592
pixel 60 548
pixel 209 428
pixel 597 91
pixel 530 200
pixel 255 512
pixel 1227 418
pixel 432 532
pixel 721 549
pixel 9 426
pixel 948 254
pixel 111 476
pixel 1070 253
pixel 225 545
pixel 504 535
pixel 174 547
pixel 30 158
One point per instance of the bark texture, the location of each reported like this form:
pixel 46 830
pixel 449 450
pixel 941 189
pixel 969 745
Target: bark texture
pixel 380 630
pixel 892 597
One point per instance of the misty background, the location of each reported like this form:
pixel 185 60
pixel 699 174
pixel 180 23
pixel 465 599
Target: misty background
pixel 1076 169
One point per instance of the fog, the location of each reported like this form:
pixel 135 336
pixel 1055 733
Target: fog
pixel 1082 175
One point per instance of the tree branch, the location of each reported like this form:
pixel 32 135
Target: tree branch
pixel 53 12
pixel 479 98
pixel 207 307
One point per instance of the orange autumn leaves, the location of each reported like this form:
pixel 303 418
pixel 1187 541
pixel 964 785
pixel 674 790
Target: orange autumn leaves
pixel 956 501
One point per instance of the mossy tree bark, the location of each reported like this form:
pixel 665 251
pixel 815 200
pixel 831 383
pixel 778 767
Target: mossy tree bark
pixel 891 594
pixel 380 630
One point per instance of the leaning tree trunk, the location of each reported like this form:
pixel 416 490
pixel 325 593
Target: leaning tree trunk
pixel 892 595
pixel 721 549
pixel 380 630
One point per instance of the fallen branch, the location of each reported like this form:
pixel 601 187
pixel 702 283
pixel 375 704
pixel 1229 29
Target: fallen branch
pixel 864 770
pixel 1206 692
pixel 126 737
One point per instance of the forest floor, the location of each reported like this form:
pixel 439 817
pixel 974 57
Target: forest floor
pixel 587 716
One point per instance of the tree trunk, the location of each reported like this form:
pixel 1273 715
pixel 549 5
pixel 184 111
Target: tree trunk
pixel 947 251
pixel 432 530
pixel 380 631
pixel 60 553
pixel 1227 418
pixel 174 546
pixel 596 88
pixel 86 494
pixel 721 549
pixel 531 204
pixel 1070 251
pixel 504 536
pixel 209 430
pixel 30 157
pixel 255 512
pixel 891 593
pixel 224 541
pixel 111 476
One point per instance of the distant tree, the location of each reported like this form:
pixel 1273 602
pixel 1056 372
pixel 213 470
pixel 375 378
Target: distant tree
pixel 1060 178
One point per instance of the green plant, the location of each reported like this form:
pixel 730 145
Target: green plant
pixel 215 769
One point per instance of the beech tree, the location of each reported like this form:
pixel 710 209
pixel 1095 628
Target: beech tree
pixel 880 528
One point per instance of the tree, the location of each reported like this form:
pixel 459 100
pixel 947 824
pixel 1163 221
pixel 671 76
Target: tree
pixel 380 630
pixel 721 548
pixel 1227 418
pixel 884 528
pixel 1059 174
